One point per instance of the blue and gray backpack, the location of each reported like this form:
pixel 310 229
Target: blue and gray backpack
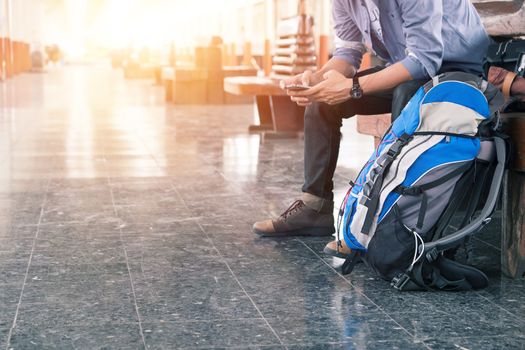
pixel 442 160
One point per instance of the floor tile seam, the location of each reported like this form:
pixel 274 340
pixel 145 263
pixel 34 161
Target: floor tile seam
pixel 287 344
pixel 228 266
pixel 97 322
pixel 240 284
pixel 478 239
pixel 192 219
pixel 101 246
pixel 254 346
pixel 255 305
pixel 42 206
pixel 474 337
pixel 477 337
pixel 104 293
pixel 499 306
pixel 410 335
pixel 348 342
pixel 213 320
pixel 62 264
pixel 4 241
pixel 50 223
pixel 137 313
pixel 53 304
pixel 148 149
pixel 487 243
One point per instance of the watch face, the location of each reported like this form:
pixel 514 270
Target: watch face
pixel 357 92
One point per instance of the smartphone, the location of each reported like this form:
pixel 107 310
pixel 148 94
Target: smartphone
pixel 297 87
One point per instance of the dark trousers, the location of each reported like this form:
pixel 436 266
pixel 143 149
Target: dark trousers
pixel 322 135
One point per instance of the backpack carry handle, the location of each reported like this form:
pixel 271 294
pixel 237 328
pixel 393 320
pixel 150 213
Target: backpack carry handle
pixel 432 249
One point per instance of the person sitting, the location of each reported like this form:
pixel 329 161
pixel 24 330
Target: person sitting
pixel 419 39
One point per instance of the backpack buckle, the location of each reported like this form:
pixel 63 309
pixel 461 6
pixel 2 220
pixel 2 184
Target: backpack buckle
pixel 400 281
pixel 408 191
pixel 432 255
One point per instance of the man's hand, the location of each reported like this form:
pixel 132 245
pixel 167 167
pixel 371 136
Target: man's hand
pixel 496 76
pixel 334 89
pixel 307 78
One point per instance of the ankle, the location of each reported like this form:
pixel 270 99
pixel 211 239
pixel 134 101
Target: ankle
pixel 319 204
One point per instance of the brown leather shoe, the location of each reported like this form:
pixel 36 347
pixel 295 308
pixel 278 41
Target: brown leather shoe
pixel 298 220
pixel 339 249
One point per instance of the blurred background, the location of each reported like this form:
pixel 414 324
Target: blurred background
pixel 148 33
pixel 59 31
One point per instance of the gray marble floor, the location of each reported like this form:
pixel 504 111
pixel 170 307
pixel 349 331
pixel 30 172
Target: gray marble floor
pixel 125 223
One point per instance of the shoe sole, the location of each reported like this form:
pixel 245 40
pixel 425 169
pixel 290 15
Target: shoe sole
pixel 335 253
pixel 305 232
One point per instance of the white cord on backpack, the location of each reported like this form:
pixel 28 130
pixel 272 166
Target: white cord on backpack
pixel 417 239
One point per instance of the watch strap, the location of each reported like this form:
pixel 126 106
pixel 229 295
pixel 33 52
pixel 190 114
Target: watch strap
pixel 507 84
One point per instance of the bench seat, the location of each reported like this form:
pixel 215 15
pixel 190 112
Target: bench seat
pixel 374 125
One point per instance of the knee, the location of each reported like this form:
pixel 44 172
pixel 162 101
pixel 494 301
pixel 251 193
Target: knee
pixel 322 113
pixel 405 91
pixel 402 94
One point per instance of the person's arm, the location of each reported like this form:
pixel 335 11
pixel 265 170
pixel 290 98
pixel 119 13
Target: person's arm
pixel 309 78
pixel 497 77
pixel 346 57
pixel 337 64
pixel 336 87
pixel 422 23
pixel 422 26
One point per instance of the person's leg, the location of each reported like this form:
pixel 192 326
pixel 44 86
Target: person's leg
pixel 402 94
pixel 313 214
pixel 322 138
pixel 400 97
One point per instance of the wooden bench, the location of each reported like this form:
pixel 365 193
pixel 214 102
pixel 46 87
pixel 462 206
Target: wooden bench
pixel 507 18
pixel 276 112
pixel 502 18
pixel 135 70
pixel 374 125
pixel 513 213
pixel 205 78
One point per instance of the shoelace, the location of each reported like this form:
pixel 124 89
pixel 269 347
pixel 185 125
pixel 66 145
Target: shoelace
pixel 292 209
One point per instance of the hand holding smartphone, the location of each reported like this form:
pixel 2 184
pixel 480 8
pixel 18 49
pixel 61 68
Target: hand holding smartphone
pixel 297 87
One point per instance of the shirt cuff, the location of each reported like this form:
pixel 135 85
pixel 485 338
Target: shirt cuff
pixel 415 68
pixel 351 56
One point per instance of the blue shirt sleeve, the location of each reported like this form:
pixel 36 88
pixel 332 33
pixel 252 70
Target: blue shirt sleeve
pixel 348 39
pixel 422 25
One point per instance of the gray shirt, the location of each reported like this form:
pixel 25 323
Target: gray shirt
pixel 426 36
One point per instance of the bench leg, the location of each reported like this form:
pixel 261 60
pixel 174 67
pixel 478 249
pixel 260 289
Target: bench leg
pixel 279 117
pixel 287 115
pixel 513 213
pixel 264 109
pixel 168 90
pixel 513 237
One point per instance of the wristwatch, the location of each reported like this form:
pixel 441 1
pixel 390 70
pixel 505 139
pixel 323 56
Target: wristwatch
pixel 356 91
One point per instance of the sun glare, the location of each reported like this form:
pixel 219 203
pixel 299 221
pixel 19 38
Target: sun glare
pixel 141 23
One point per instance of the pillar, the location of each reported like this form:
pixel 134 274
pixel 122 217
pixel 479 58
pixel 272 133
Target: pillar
pixel 269 35
pixel 248 35
pixel 324 29
pixel 6 61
